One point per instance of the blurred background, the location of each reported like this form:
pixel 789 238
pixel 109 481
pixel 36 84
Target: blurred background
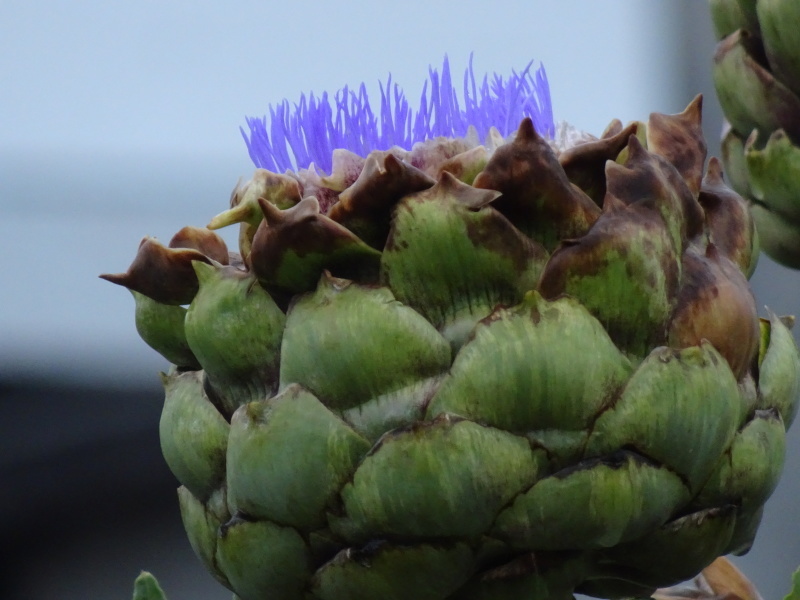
pixel 120 119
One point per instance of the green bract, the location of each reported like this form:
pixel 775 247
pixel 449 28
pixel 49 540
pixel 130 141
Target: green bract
pixel 757 77
pixel 467 372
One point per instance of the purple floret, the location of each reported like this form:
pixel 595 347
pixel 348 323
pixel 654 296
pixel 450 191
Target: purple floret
pixel 294 137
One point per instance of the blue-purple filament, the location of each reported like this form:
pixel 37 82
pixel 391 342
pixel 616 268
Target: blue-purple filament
pixel 294 137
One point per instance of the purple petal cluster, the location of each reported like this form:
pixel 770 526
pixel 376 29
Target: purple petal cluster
pixel 294 137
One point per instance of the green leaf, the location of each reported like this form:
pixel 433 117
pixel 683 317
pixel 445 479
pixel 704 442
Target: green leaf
pixel 146 588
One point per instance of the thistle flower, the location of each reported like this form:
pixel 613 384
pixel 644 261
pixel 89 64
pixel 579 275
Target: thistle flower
pixel 459 362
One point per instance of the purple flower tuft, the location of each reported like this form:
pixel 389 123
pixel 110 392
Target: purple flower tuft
pixel 295 137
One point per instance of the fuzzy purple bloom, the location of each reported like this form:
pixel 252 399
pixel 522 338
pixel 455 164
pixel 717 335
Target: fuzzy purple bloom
pixel 312 129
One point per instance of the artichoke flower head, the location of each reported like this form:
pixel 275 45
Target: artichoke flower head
pixel 464 353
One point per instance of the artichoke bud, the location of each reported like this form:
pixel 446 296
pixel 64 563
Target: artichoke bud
pixel 728 220
pixel 165 274
pixel 365 208
pixel 585 164
pixel 538 374
pixel 234 329
pixel 715 304
pixel 779 369
pixel 293 247
pixel 453 257
pixel 781 38
pixel 750 95
pixel 537 197
pixel 194 435
pixel 679 139
pixel 161 326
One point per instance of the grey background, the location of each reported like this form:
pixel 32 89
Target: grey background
pixel 121 119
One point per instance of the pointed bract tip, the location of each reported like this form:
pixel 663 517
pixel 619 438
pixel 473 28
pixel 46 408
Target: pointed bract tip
pixel 391 164
pixel 117 278
pixel 526 131
pixel 714 172
pixel 306 208
pixel 467 195
pixel 694 109
pixel 272 214
pixel 612 129
pixel 635 148
pixel 205 271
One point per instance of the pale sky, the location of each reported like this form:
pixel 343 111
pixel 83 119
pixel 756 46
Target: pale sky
pixel 180 76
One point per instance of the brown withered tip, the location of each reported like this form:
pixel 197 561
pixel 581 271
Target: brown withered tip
pixel 203 240
pixel 163 274
pixel 585 164
pixel 679 139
